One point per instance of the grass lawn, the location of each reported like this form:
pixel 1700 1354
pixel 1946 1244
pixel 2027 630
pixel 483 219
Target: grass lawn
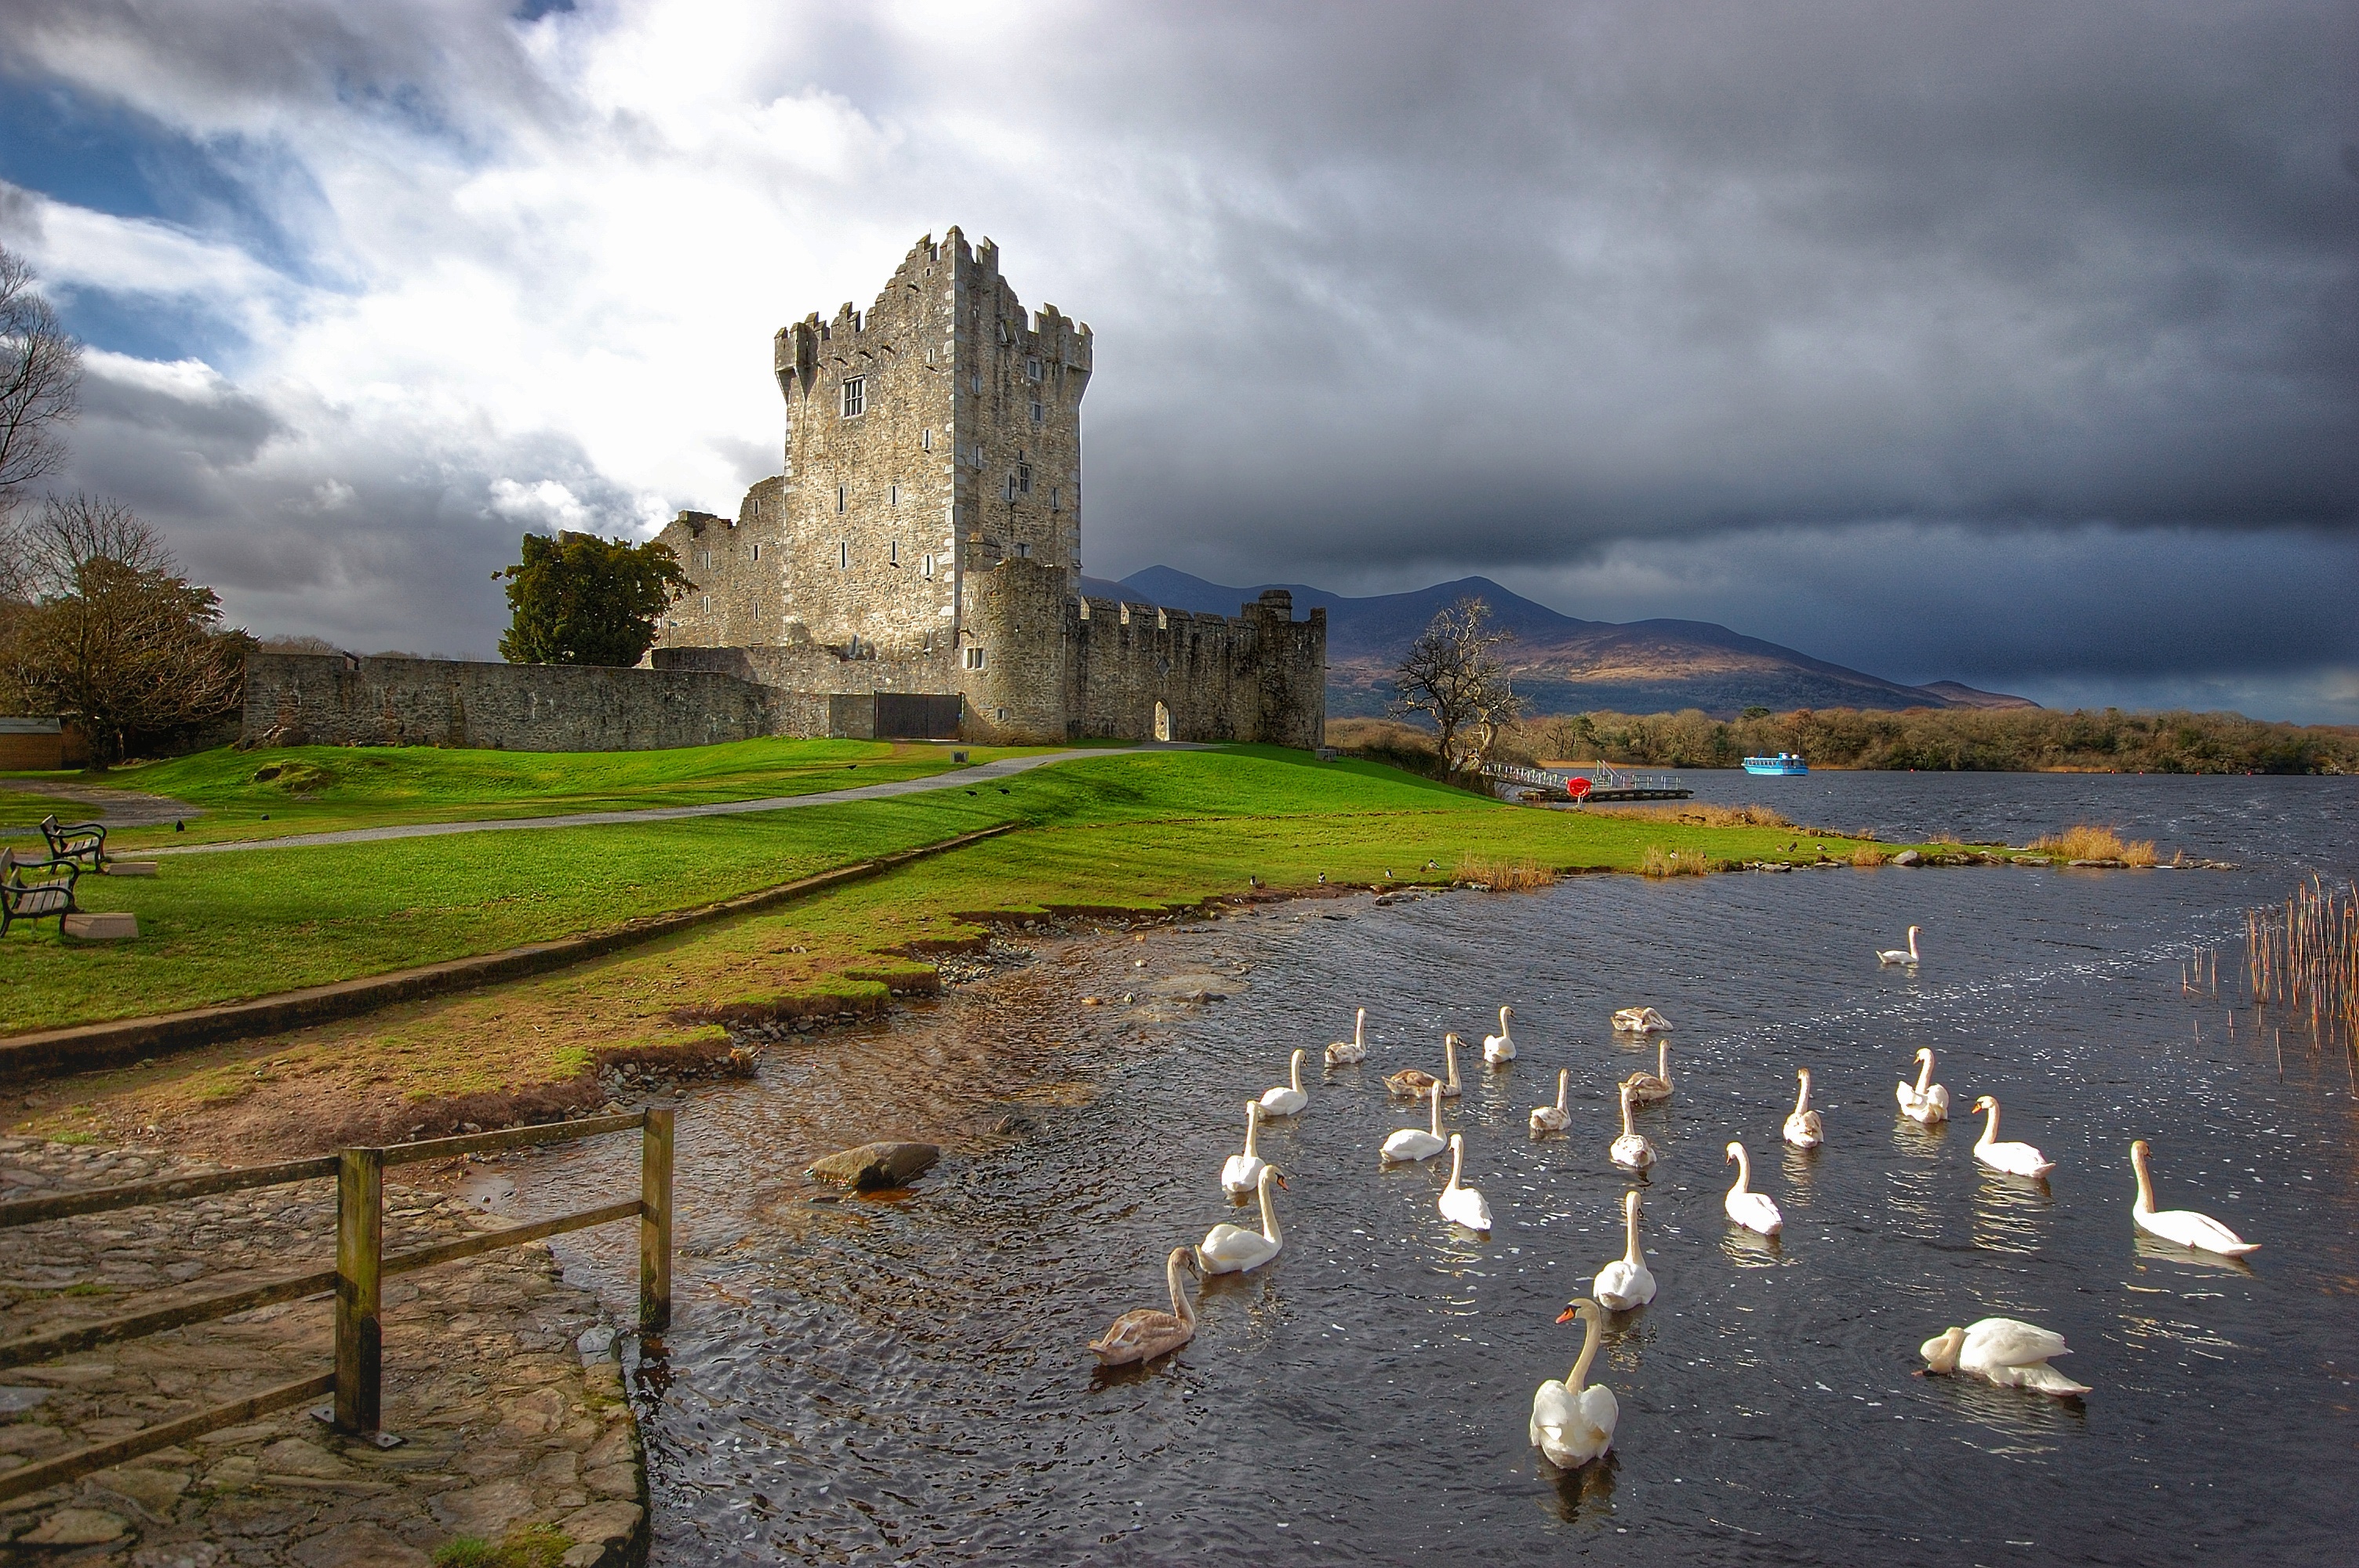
pixel 319 789
pixel 1136 832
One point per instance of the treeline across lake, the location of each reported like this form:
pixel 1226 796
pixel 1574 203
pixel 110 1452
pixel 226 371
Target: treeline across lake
pixel 1955 740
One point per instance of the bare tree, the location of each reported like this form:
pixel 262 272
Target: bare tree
pixel 40 382
pixel 109 634
pixel 1454 677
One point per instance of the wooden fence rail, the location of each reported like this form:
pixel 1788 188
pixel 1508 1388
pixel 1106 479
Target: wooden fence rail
pixel 357 1280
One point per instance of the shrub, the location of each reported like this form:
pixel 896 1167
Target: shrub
pixel 1868 855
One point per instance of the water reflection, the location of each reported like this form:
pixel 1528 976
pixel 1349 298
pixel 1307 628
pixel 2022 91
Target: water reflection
pixel 2010 1213
pixel 1751 1249
pixel 2187 1259
pixel 1586 1494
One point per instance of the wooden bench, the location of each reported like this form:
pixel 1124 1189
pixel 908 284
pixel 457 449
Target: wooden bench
pixel 35 889
pixel 84 842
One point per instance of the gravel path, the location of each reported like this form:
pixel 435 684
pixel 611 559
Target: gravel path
pixel 985 772
pixel 115 808
pixel 498 1374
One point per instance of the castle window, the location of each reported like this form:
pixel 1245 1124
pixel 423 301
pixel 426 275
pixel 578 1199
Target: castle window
pixel 840 492
pixel 927 566
pixel 926 441
pixel 1024 552
pixel 1053 498
pixel 972 658
pixel 892 495
pixel 1024 478
pixel 1039 415
pixel 855 396
pixel 1032 369
pixel 893 553
pixel 758 552
pixel 978 384
pixel 843 554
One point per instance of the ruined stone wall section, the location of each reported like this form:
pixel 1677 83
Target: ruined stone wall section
pixel 327 700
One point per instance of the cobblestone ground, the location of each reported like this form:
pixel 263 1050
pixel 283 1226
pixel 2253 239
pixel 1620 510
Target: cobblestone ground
pixel 500 1376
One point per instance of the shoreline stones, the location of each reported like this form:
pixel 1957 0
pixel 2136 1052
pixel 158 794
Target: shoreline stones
pixel 875 1167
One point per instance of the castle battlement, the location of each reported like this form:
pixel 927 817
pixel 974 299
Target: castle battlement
pixel 928 518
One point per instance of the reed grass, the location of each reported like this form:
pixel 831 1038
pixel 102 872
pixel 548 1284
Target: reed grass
pixel 1505 876
pixel 2088 841
pixel 2303 957
pixel 1697 814
pixel 1658 861
pixel 1868 855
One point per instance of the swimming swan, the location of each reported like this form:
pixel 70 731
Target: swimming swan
pixel 1573 1423
pixel 1554 1118
pixel 2011 1353
pixel 1639 1020
pixel 1287 1101
pixel 1631 1151
pixel 1907 955
pixel 2187 1228
pixel 1241 1174
pixel 1751 1210
pixel 1411 1083
pixel 1409 1143
pixel 1233 1250
pixel 2015 1159
pixel 1803 1128
pixel 1627 1282
pixel 1500 1047
pixel 1464 1204
pixel 1342 1052
pixel 1647 1087
pixel 1145 1334
pixel 1924 1102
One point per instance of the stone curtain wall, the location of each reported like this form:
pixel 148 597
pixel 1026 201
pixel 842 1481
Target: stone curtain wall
pixel 327 700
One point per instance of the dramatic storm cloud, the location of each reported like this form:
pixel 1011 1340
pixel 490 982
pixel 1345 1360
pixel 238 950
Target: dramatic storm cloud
pixel 2018 344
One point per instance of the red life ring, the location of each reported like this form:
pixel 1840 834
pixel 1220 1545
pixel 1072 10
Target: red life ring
pixel 1578 787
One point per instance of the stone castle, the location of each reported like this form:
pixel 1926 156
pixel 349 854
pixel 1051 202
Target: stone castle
pixel 915 572
pixel 924 542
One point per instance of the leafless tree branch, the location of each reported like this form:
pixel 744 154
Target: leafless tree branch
pixel 40 382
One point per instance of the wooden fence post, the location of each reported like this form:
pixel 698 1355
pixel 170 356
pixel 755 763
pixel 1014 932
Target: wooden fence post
pixel 655 1222
pixel 360 1257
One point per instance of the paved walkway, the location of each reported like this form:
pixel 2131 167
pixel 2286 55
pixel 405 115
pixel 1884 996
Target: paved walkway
pixel 985 772
pixel 500 1376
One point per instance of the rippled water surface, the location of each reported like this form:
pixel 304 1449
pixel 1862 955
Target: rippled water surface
pixel 905 1379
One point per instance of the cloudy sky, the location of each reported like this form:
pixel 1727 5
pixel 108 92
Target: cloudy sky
pixel 2012 343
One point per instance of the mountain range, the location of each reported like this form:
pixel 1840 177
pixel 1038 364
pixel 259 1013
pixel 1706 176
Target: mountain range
pixel 1561 664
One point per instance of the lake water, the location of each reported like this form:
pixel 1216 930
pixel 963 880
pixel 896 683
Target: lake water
pixel 906 1380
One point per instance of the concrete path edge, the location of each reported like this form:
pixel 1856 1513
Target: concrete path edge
pixel 53 1053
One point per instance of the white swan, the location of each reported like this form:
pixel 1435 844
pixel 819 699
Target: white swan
pixel 1901 955
pixel 2011 1353
pixel 1751 1210
pixel 1924 1101
pixel 2015 1159
pixel 1639 1020
pixel 1500 1047
pixel 1411 1083
pixel 1627 1282
pixel 1287 1101
pixel 1409 1143
pixel 1145 1334
pixel 1647 1087
pixel 1464 1204
pixel 1554 1118
pixel 1242 1172
pixel 2184 1226
pixel 1343 1052
pixel 1233 1250
pixel 1573 1423
pixel 1803 1128
pixel 1631 1151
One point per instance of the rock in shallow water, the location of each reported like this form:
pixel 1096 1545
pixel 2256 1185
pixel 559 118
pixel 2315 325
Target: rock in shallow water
pixel 875 1165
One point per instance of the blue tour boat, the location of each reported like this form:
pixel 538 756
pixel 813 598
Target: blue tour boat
pixel 1783 763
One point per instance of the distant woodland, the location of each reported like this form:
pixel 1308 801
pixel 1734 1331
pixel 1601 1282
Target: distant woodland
pixel 2026 740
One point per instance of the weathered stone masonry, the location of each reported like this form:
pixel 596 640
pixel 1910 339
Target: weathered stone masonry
pixel 926 537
